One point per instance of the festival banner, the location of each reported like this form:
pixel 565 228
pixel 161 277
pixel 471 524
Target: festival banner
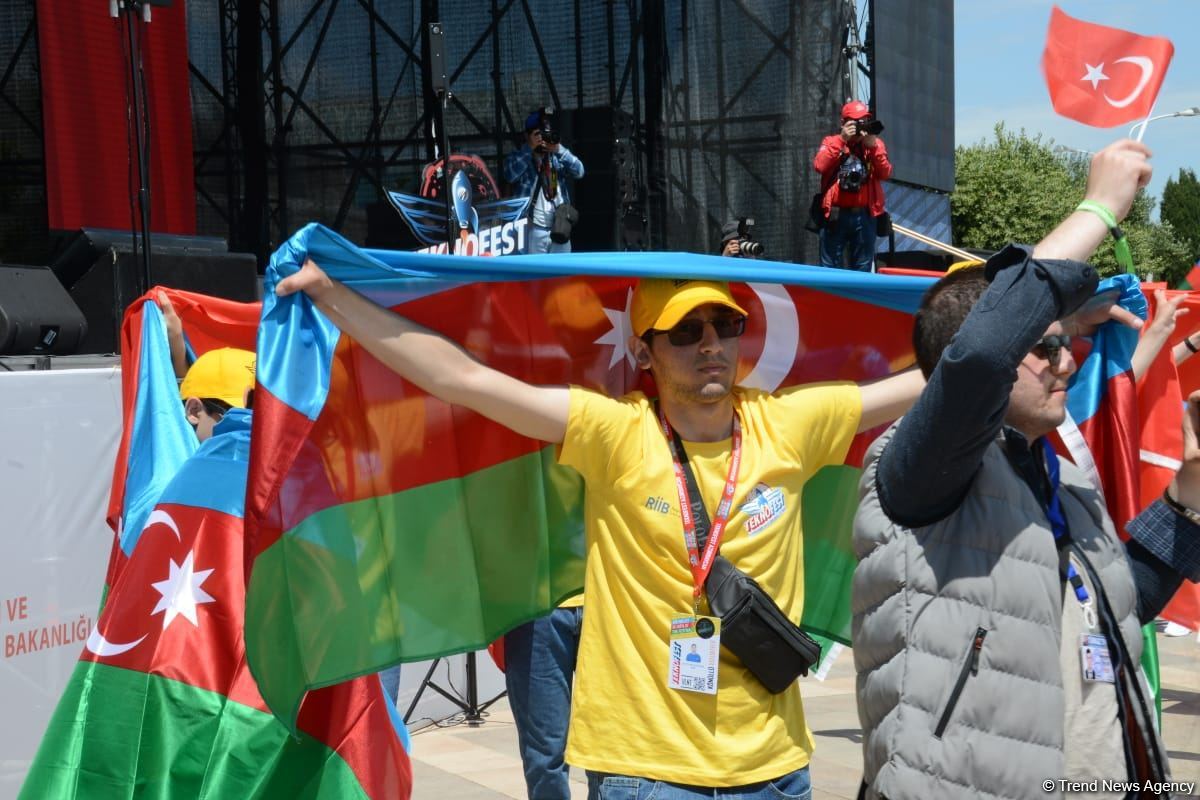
pixel 476 220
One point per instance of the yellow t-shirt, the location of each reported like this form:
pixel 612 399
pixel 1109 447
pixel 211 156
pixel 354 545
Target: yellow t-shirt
pixel 624 719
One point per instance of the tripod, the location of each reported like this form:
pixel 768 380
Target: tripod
pixel 471 707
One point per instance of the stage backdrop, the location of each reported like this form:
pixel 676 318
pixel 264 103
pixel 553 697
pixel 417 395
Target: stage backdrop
pixel 90 177
pixel 60 432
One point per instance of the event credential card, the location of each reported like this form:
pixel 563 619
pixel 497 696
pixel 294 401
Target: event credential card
pixel 695 654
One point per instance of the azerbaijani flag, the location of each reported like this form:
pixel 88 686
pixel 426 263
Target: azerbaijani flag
pixel 1101 431
pixel 161 702
pixel 386 526
pixel 156 438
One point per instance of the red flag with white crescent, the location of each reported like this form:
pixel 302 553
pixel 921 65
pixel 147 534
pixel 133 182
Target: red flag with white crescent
pixel 1099 75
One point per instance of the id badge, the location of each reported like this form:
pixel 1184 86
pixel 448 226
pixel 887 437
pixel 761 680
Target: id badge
pixel 1094 657
pixel 695 654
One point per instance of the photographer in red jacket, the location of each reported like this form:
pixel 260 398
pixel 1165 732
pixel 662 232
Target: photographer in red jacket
pixel 852 165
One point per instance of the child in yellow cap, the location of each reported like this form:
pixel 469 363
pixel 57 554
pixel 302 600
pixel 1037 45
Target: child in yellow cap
pixel 218 381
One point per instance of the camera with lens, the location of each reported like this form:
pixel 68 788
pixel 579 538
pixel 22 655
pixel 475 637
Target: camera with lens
pixel 868 126
pixel 852 174
pixel 743 231
pixel 549 134
pixel 547 131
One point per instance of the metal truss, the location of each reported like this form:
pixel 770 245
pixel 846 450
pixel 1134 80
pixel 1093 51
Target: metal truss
pixel 713 142
pixel 247 166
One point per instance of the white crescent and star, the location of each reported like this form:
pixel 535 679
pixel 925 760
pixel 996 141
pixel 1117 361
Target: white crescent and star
pixel 617 336
pixel 1095 74
pixel 781 338
pixel 180 594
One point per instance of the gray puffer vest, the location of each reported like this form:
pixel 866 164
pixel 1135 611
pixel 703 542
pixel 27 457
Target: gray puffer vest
pixel 957 628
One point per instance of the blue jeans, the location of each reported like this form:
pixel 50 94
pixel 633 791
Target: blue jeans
pixel 537 240
pixel 539 664
pixel 854 230
pixel 793 786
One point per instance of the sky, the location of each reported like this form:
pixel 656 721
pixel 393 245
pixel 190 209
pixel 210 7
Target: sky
pixel 998 77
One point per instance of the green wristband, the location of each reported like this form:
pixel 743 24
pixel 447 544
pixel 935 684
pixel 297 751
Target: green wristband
pixel 1120 240
pixel 1110 219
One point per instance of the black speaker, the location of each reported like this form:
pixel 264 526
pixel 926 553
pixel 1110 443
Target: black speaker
pixel 610 194
pixel 102 274
pixel 37 316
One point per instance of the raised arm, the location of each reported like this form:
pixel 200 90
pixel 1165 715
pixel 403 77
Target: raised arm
pixel 939 445
pixel 433 362
pixel 888 398
pixel 568 162
pixel 1155 336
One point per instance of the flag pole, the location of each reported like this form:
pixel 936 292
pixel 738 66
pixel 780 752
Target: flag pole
pixel 1141 126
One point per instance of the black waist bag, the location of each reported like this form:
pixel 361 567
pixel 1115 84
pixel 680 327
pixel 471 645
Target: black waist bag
pixel 753 627
pixel 756 630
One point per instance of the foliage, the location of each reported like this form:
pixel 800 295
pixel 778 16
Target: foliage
pixel 1019 187
pixel 1181 208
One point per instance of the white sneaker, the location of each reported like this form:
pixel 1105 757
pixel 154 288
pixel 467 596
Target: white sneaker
pixel 1175 629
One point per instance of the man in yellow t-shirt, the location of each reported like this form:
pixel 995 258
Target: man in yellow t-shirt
pixel 630 729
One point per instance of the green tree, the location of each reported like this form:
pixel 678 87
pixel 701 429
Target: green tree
pixel 1181 208
pixel 1018 187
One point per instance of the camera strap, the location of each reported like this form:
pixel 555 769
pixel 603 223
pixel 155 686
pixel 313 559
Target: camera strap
pixel 548 178
pixel 699 533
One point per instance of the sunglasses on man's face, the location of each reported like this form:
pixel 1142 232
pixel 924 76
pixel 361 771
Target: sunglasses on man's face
pixel 690 331
pixel 1051 347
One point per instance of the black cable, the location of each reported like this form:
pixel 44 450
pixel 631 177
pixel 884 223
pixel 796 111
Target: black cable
pixel 127 62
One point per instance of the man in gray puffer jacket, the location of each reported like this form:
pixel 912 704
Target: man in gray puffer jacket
pixel 996 610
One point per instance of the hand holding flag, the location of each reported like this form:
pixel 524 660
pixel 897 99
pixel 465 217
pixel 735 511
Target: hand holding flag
pixel 1099 75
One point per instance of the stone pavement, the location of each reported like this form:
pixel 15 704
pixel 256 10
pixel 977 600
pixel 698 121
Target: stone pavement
pixel 463 763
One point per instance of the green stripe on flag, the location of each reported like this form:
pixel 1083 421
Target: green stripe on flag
pixel 830 500
pixel 438 569
pixel 119 733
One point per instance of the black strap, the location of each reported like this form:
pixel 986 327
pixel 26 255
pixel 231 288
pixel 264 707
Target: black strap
pixel 699 512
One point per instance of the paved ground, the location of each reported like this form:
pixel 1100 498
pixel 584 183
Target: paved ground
pixel 482 763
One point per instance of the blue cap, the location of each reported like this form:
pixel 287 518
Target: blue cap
pixel 534 120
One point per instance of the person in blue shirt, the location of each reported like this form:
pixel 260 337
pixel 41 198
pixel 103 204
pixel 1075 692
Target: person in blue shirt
pixel 541 170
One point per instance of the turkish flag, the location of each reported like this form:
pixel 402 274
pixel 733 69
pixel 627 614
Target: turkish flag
pixel 1102 76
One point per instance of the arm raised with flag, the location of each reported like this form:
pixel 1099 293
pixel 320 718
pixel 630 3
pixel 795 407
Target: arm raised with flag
pixel 447 371
pixel 433 362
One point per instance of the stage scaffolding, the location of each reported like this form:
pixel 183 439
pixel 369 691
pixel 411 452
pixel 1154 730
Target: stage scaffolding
pixel 307 110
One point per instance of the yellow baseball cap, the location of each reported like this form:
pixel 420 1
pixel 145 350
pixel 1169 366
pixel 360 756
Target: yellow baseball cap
pixel 957 265
pixel 222 374
pixel 660 303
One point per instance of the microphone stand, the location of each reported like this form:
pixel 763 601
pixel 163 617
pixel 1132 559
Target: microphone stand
pixel 132 10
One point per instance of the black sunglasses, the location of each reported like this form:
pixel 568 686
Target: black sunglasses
pixel 215 408
pixel 1051 347
pixel 690 331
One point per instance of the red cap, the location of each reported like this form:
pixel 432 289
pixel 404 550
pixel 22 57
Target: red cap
pixel 855 109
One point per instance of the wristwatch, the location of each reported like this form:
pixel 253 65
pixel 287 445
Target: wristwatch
pixel 1180 509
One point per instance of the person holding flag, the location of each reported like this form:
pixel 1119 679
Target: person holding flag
pixel 990 568
pixel 161 701
pixel 634 725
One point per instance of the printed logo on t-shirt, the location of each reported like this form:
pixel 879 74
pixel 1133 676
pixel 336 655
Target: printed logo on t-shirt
pixel 764 507
pixel 658 504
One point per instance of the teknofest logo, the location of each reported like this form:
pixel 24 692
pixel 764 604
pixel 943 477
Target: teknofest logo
pixel 492 227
